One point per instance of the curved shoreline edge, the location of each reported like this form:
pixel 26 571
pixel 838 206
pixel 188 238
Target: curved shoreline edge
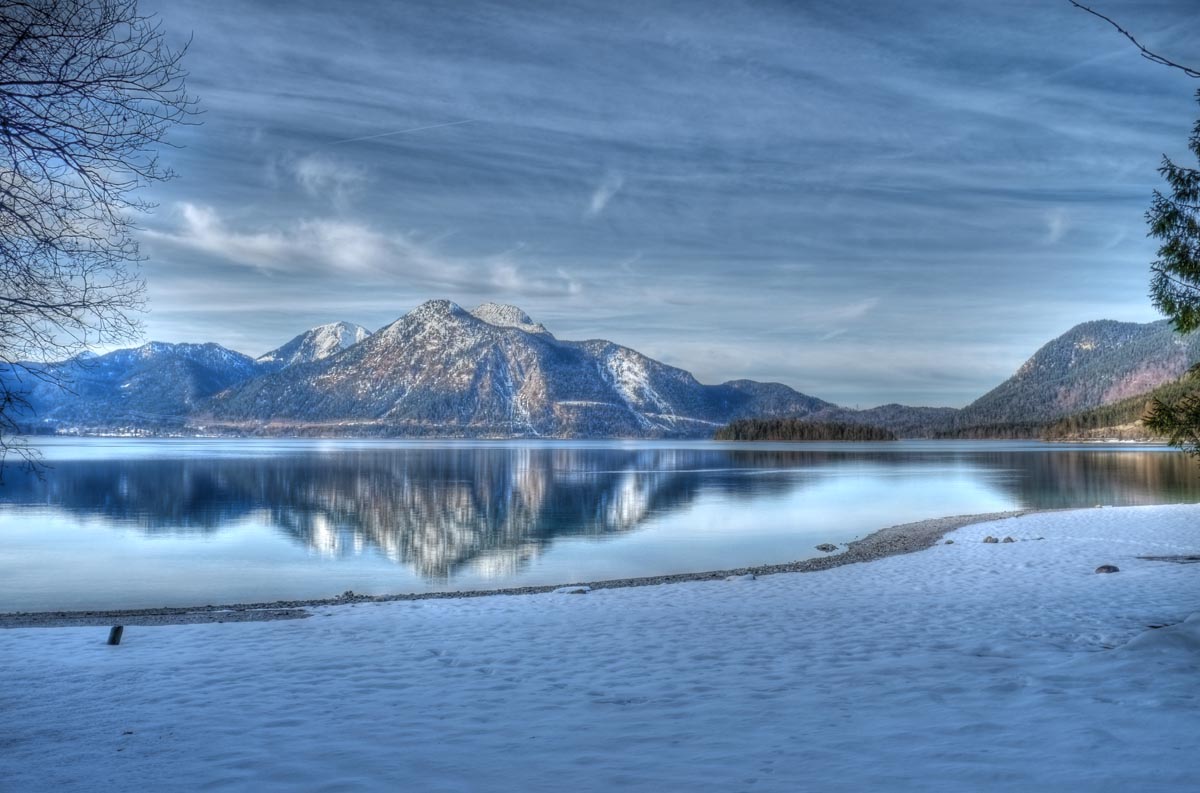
pixel 891 541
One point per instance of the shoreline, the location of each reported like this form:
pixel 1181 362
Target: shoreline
pixel 954 668
pixel 889 541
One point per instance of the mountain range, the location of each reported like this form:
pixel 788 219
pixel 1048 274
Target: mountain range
pixel 444 371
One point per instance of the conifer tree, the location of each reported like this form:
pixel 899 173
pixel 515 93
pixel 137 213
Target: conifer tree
pixel 1175 283
pixel 1175 286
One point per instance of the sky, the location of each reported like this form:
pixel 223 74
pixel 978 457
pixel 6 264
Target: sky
pixel 869 201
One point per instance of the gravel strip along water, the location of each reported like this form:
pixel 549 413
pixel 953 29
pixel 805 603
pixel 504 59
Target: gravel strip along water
pixel 892 541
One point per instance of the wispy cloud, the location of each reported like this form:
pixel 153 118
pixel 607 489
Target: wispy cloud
pixel 855 310
pixel 403 131
pixel 336 246
pixel 822 316
pixel 325 243
pixel 1057 225
pixel 609 186
pixel 327 178
pixel 926 178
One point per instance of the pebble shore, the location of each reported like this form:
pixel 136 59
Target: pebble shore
pixel 892 541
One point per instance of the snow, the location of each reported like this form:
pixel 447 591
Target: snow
pixel 588 403
pixel 969 666
pixel 628 373
pixel 675 417
pixel 503 315
pixel 335 337
pixel 316 344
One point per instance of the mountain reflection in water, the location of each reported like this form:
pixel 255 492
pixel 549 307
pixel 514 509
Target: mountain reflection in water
pixel 438 508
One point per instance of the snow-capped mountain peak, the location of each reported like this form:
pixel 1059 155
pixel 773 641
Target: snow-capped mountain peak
pixel 336 336
pixel 493 372
pixel 503 315
pixel 316 344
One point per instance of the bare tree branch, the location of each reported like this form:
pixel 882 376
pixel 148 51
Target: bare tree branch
pixel 1147 54
pixel 88 92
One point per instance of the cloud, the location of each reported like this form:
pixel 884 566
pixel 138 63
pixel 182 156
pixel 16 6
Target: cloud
pixel 627 264
pixel 306 244
pixel 329 178
pixel 855 310
pixel 791 161
pixel 404 131
pixel 604 192
pixel 823 317
pixel 331 246
pixel 1057 225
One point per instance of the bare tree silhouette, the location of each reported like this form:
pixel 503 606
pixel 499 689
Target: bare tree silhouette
pixel 88 91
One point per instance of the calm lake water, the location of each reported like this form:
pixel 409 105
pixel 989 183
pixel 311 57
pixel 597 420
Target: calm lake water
pixel 130 523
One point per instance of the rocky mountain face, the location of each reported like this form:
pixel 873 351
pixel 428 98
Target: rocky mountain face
pixel 314 345
pixel 1093 364
pixel 442 370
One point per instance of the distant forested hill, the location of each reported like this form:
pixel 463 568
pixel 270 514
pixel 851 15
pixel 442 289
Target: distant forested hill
pixel 800 430
pixel 1115 421
pixel 1005 431
pixel 1093 364
pixel 1120 420
pixel 905 421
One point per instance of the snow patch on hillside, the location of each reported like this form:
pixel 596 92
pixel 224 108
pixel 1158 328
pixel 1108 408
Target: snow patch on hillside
pixel 628 371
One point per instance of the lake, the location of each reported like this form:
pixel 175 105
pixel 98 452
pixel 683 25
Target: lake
pixel 114 523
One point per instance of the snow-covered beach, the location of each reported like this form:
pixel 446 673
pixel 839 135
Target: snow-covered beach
pixel 966 666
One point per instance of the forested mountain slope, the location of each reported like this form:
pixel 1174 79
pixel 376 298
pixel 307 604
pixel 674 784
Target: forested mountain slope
pixel 1093 364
